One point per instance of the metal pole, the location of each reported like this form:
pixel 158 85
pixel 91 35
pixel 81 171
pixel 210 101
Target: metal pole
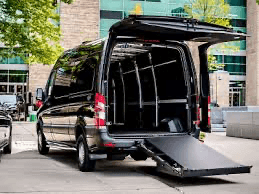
pixel 216 88
pixel 8 80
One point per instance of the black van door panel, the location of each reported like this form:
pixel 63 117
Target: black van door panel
pixel 81 114
pixel 59 123
pixel 174 28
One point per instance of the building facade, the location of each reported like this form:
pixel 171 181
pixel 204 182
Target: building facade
pixel 90 19
pixel 234 61
pixel 252 80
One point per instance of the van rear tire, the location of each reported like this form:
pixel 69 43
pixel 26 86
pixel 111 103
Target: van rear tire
pixel 83 159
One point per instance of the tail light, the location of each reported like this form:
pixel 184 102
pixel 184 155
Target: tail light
pixel 39 103
pixel 99 109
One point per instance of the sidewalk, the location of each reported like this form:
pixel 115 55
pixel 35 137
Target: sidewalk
pixel 57 172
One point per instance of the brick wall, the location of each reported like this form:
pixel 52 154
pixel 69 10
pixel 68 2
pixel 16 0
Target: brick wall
pixel 79 22
pixel 38 75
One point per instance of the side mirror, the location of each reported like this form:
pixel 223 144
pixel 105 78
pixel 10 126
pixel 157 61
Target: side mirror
pixel 39 94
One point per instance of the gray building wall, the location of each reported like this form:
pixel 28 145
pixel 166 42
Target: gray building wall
pixel 252 71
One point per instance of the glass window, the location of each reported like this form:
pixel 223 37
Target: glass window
pixel 154 0
pixel 3 88
pixel 62 82
pixel 238 23
pixel 3 78
pixel 3 71
pixel 18 71
pixel 104 14
pixel 179 12
pixel 15 60
pixel 83 76
pixel 237 2
pixel 3 60
pixel 19 89
pixel 231 59
pixel 17 78
pixel 11 89
pixel 238 69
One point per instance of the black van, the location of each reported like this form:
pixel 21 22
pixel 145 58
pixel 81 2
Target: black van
pixel 136 93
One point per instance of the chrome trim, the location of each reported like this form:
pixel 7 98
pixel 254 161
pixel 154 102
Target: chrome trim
pixel 64 106
pixel 90 127
pixel 97 156
pixel 47 126
pixel 58 126
pixel 61 144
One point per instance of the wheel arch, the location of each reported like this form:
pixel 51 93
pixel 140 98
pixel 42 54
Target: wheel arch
pixel 79 129
pixel 39 125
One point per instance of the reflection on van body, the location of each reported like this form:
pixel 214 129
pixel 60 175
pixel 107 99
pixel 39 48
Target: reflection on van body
pixel 135 93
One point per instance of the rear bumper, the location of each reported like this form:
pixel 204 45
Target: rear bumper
pixel 129 142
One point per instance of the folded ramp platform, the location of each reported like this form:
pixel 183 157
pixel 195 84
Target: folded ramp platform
pixel 186 156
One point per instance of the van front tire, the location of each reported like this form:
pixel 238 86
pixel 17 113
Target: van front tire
pixel 42 144
pixel 84 162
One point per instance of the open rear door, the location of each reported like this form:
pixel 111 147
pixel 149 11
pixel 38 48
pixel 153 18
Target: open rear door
pixel 186 156
pixel 173 28
pixel 164 28
pixel 182 155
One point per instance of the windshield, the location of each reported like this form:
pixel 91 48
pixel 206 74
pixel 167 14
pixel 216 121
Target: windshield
pixel 9 99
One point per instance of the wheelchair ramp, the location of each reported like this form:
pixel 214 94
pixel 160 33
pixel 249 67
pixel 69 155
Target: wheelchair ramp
pixel 185 156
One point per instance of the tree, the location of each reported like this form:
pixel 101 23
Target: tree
pixel 213 65
pixel 257 1
pixel 211 11
pixel 30 29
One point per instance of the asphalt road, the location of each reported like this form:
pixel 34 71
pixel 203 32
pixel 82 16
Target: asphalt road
pixel 26 171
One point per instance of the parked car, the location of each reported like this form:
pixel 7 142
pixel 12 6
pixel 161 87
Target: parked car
pixel 14 103
pixel 5 131
pixel 136 93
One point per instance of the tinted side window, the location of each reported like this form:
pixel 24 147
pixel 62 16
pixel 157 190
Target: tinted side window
pixel 62 83
pixel 83 76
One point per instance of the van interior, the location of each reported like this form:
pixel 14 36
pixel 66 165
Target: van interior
pixel 147 91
